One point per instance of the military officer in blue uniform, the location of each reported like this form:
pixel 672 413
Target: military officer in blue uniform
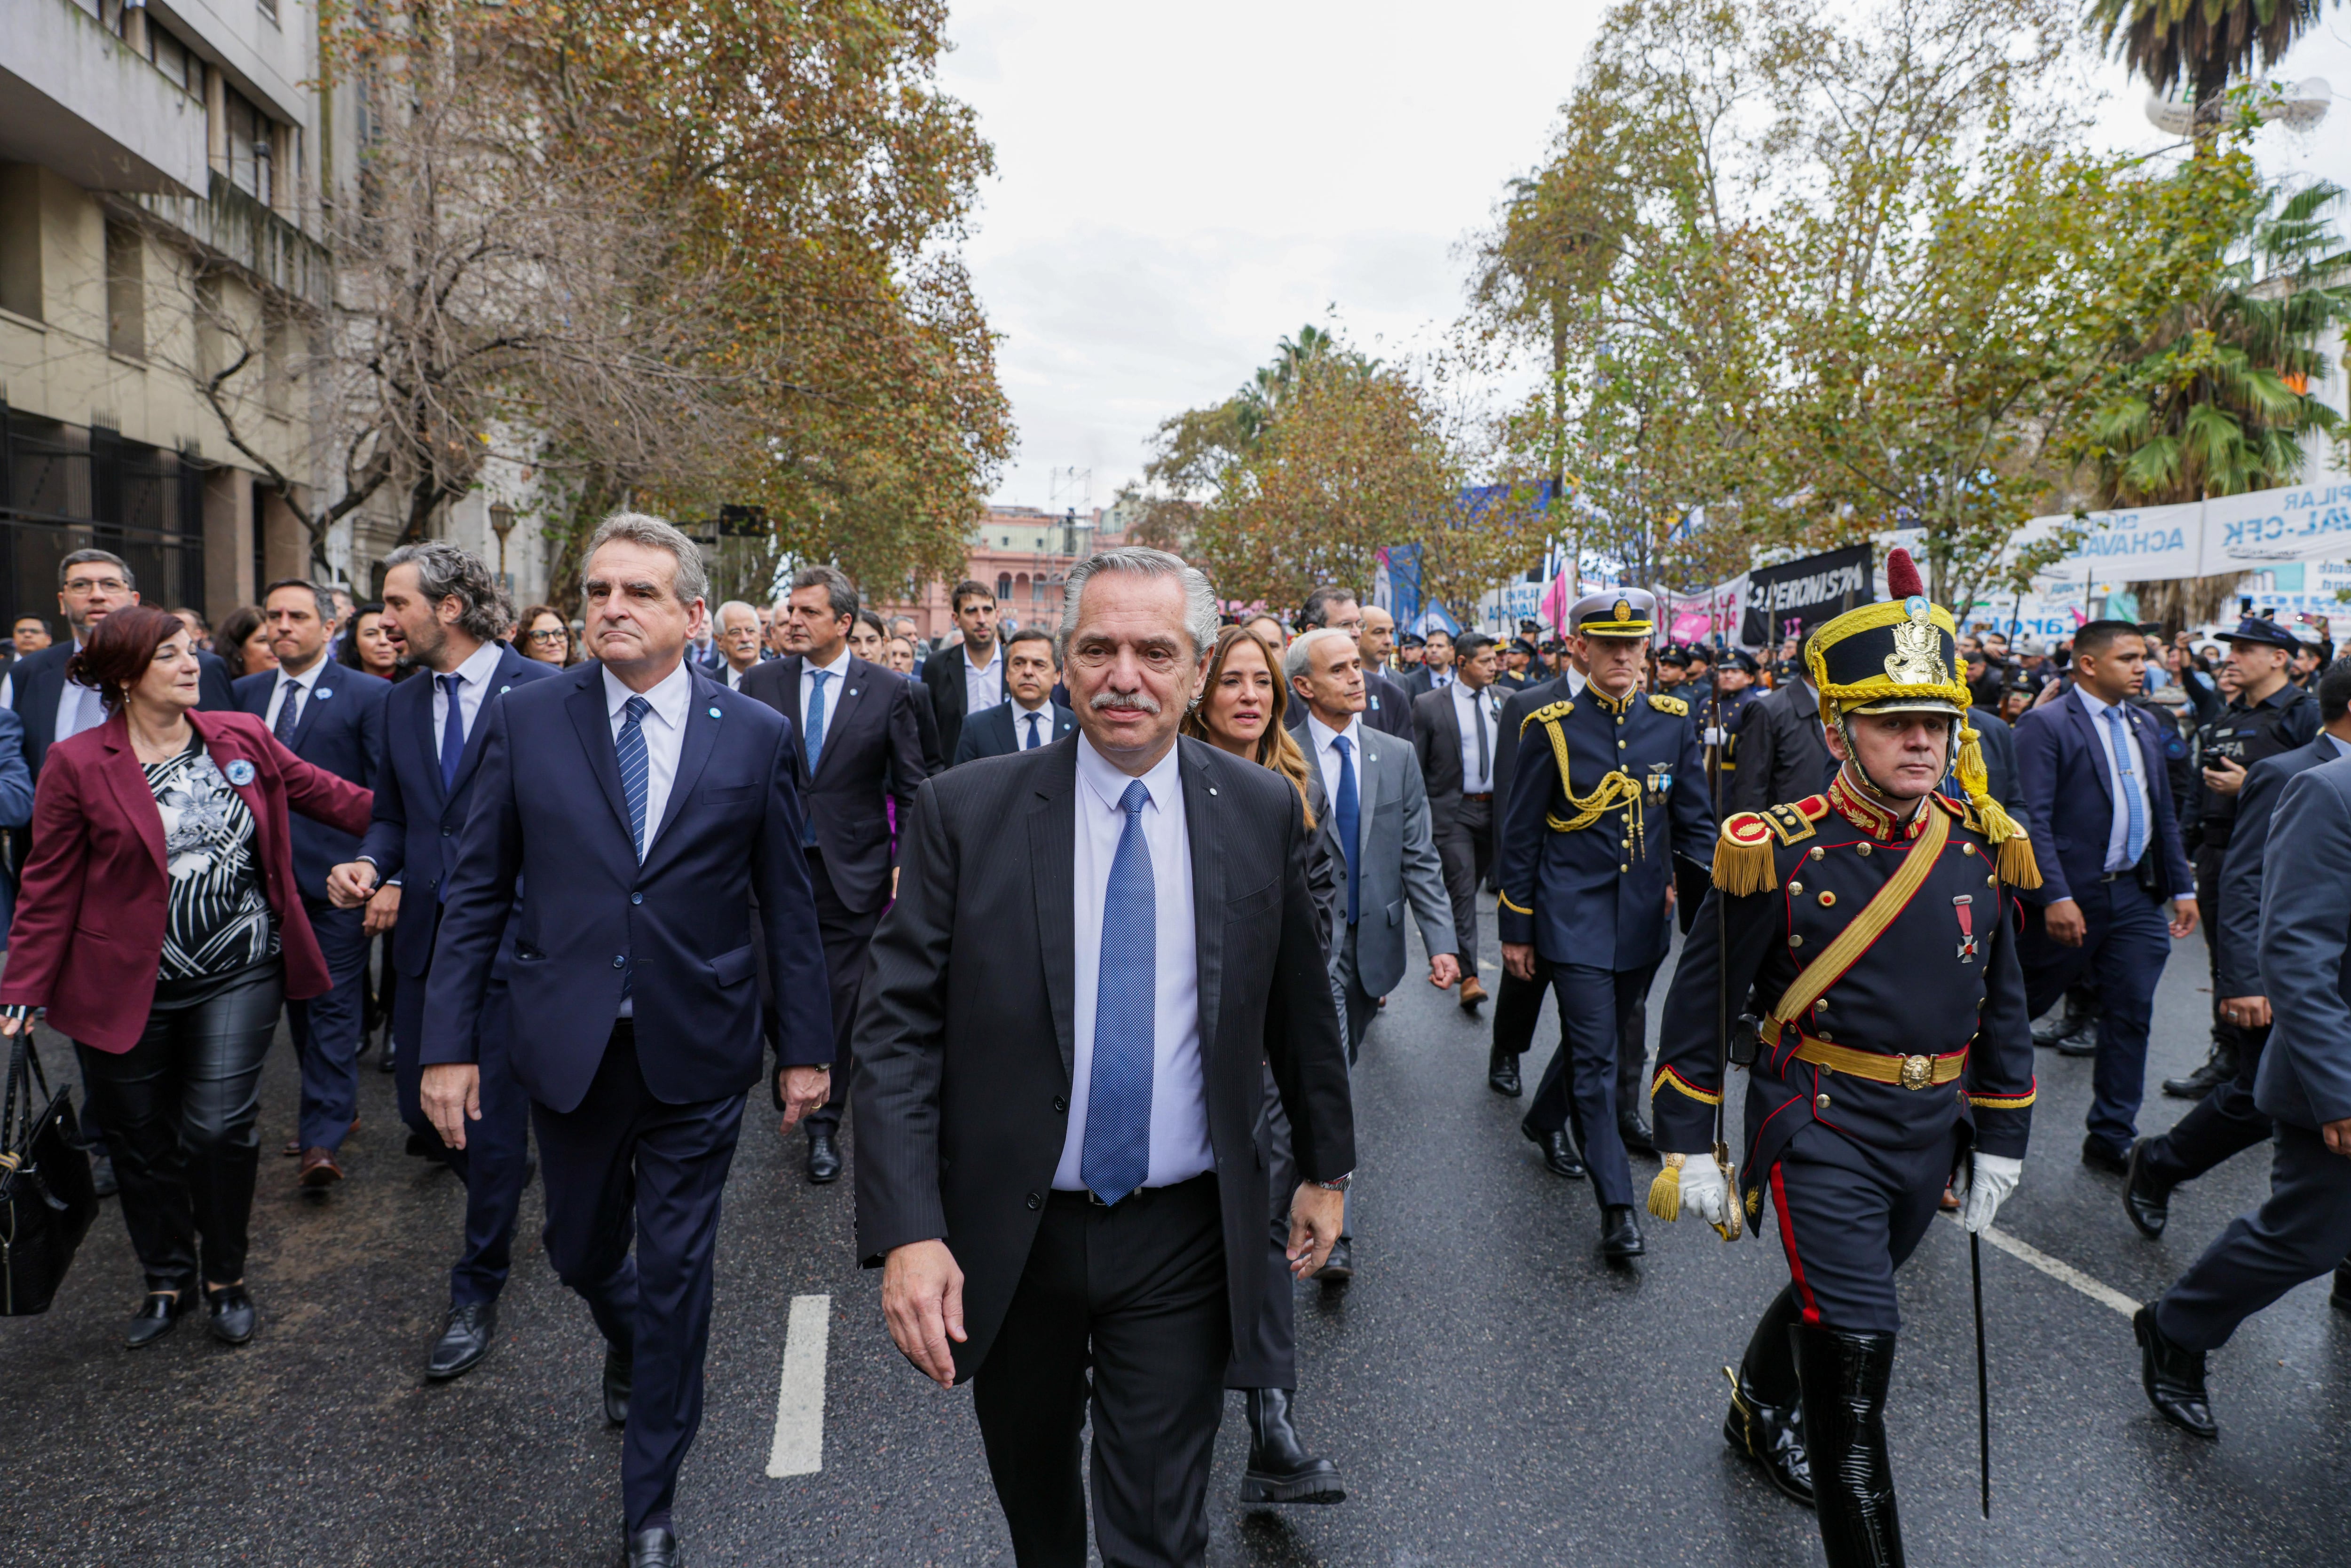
pixel 1862 941
pixel 1609 787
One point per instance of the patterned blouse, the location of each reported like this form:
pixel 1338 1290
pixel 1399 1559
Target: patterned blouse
pixel 219 919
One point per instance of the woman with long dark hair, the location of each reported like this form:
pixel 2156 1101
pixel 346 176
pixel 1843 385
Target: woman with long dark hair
pixel 160 923
pixel 243 642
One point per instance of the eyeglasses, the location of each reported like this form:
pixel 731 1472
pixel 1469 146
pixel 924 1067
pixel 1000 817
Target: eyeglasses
pixel 556 636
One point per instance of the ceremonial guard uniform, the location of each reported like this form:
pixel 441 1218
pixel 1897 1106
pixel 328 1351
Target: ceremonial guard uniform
pixel 1605 793
pixel 1888 1038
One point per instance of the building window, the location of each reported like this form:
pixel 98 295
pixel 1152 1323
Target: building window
pixel 126 291
pixel 1003 586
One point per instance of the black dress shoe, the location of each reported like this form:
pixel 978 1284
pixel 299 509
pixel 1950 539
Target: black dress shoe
pixel 384 1063
pixel 2173 1378
pixel 1502 1074
pixel 158 1315
pixel 103 1180
pixel 2146 1200
pixel 2099 1158
pixel 654 1548
pixel 2219 1066
pixel 1636 1133
pixel 465 1338
pixel 1620 1233
pixel 421 1147
pixel 2083 1044
pixel 1770 1434
pixel 230 1315
pixel 823 1159
pixel 1340 1266
pixel 1280 1468
pixel 1558 1152
pixel 2339 1298
pixel 619 1369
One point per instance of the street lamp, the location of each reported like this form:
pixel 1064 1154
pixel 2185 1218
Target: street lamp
pixel 502 524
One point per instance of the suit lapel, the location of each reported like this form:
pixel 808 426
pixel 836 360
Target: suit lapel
pixel 702 722
pixel 128 780
pixel 321 689
pixel 425 744
pixel 2099 763
pixel 1367 790
pixel 501 679
pixel 594 727
pixel 1052 881
pixel 791 662
pixel 1203 834
pixel 848 695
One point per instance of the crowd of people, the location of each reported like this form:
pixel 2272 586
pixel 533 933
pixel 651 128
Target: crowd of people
pixel 684 838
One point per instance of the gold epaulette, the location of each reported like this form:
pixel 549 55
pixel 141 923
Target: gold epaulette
pixel 1674 705
pixel 1544 715
pixel 1742 855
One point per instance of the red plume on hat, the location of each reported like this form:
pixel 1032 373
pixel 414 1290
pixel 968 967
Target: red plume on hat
pixel 1902 578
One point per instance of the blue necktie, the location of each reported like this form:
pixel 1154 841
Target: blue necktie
pixel 1345 811
pixel 1033 741
pixel 815 737
pixel 635 767
pixel 2135 836
pixel 453 734
pixel 290 708
pixel 1116 1155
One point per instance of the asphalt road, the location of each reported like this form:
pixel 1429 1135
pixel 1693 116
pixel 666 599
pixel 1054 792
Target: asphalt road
pixel 1493 1393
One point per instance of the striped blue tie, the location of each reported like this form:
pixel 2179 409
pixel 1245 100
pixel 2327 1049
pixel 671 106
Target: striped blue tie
pixel 634 765
pixel 1117 1152
pixel 2126 751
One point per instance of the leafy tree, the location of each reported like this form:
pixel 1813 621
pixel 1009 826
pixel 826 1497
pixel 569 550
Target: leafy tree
pixel 2202 42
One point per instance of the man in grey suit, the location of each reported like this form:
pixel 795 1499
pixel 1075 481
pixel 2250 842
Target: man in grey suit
pixel 2305 1086
pixel 1454 729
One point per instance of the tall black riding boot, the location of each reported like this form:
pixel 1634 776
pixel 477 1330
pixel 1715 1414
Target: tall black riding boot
pixel 1844 1378
pixel 1766 1421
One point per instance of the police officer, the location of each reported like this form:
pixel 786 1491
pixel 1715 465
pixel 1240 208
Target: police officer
pixel 2269 716
pixel 1605 794
pixel 1734 688
pixel 1890 1048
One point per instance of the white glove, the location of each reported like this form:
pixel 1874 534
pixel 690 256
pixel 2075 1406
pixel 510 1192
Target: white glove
pixel 1983 1184
pixel 1704 1192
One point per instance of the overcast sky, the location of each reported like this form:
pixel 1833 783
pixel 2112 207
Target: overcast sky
pixel 1177 188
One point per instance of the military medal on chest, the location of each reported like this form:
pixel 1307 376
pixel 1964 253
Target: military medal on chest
pixel 1964 908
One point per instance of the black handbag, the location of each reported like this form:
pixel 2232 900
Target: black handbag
pixel 47 1199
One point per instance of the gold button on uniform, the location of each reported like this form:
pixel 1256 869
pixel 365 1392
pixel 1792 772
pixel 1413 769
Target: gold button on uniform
pixel 1795 941
pixel 1827 898
pixel 1966 848
pixel 1991 882
pixel 1820 1100
pixel 1796 888
pixel 1816 852
pixel 1861 849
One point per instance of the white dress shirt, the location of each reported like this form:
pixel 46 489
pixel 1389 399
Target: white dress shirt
pixel 2341 747
pixel 733 676
pixel 78 707
pixel 292 688
pixel 983 684
pixel 1467 706
pixel 1179 1099
pixel 472 690
pixel 1439 679
pixel 1044 726
pixel 833 692
pixel 2118 832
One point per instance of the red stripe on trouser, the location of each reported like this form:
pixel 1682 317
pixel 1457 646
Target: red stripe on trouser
pixel 1788 1240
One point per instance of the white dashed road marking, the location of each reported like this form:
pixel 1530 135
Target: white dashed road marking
pixel 2057 1268
pixel 798 1448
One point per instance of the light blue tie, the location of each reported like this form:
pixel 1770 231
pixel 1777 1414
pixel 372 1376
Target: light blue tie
pixel 635 767
pixel 2126 748
pixel 816 717
pixel 1116 1155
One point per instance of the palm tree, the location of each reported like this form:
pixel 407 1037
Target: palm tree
pixel 2202 42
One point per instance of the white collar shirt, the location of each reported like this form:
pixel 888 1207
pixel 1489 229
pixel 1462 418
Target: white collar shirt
pixel 78 708
pixel 1479 719
pixel 1180 1149
pixel 1575 682
pixel 734 677
pixel 983 684
pixel 2341 747
pixel 1439 679
pixel 472 690
pixel 295 689
pixel 835 686
pixel 2126 776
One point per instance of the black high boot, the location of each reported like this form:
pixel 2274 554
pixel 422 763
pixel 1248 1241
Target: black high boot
pixel 1280 1468
pixel 1845 1380
pixel 1766 1418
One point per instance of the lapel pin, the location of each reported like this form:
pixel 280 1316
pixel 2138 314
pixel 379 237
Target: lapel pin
pixel 239 771
pixel 714 713
pixel 323 693
pixel 853 691
pixel 1212 789
pixel 504 690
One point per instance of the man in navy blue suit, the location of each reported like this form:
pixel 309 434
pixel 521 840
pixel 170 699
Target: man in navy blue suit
pixel 2090 769
pixel 441 607
pixel 331 716
pixel 1028 717
pixel 626 814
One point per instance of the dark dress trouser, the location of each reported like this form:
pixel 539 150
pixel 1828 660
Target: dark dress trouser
pixel 1518 1009
pixel 848 938
pixel 1597 1008
pixel 2124 947
pixel 1466 848
pixel 1268 1357
pixel 1136 1294
pixel 2301 1232
pixel 626 1168
pixel 2208 861
pixel 326 1029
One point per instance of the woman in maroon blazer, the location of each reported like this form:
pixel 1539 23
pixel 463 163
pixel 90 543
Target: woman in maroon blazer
pixel 159 924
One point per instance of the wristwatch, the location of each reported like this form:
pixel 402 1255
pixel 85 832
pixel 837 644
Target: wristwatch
pixel 1337 1184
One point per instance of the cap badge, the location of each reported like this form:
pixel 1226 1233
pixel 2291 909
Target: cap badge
pixel 1918 656
pixel 1624 610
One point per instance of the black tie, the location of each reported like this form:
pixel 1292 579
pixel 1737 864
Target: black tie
pixel 1485 760
pixel 290 708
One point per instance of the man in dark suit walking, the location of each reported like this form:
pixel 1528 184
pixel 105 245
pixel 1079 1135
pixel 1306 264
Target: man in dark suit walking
pixel 1454 729
pixel 1098 948
pixel 635 808
pixel 859 746
pixel 1784 752
pixel 2305 1085
pixel 2090 769
pixel 968 678
pixel 331 716
pixel 441 607
pixel 1435 672
pixel 1028 717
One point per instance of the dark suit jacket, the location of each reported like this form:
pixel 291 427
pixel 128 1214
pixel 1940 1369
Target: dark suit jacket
pixel 872 750
pixel 1996 738
pixel 340 729
pixel 88 933
pixel 1387 707
pixel 1436 738
pixel 414 836
pixel 2236 948
pixel 37 680
pixel 549 817
pixel 942 675
pixel 2069 799
pixel 964 1054
pixel 1001 731
pixel 927 720
pixel 1783 756
pixel 15 807
pixel 2306 950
